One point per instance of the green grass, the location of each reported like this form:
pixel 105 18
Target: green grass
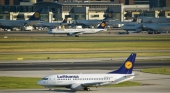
pixel 126 84
pixel 31 83
pixel 164 70
pixel 83 46
pixel 90 38
pixel 77 55
pixel 19 83
pixel 66 44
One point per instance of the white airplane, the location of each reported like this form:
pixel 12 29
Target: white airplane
pixel 132 27
pixel 10 24
pixel 49 25
pixel 88 23
pixel 84 81
pixel 77 32
pixel 156 28
pixel 154 20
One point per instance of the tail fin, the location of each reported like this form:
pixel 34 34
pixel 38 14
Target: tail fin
pixel 109 15
pixel 36 15
pixel 127 66
pixel 65 20
pixel 102 25
pixel 134 19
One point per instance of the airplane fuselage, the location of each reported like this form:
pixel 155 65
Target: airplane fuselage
pixel 132 27
pixel 158 26
pixel 67 31
pixel 65 80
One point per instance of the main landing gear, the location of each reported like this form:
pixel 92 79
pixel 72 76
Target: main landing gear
pixel 50 89
pixel 86 88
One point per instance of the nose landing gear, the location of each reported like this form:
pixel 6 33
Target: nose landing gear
pixel 87 89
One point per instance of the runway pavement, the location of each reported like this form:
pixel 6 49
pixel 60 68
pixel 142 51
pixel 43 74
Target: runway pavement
pixel 71 65
pixel 104 33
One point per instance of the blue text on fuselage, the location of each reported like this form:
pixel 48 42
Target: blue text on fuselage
pixel 67 76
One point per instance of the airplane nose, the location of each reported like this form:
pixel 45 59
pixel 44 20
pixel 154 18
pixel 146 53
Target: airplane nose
pixel 39 82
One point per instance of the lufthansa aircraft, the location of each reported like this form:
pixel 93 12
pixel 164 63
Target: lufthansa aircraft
pixel 9 24
pixel 84 81
pixel 88 23
pixel 76 32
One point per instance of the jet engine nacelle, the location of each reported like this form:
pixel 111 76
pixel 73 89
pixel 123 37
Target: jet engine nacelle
pixel 76 86
pixel 70 34
pixel 76 35
pixel 138 29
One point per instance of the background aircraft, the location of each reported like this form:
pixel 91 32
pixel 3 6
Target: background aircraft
pixel 132 27
pixel 51 25
pixel 76 32
pixel 154 20
pixel 88 23
pixel 84 81
pixel 156 28
pixel 10 24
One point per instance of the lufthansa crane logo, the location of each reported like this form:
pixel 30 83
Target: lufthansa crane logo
pixel 128 65
pixel 110 15
pixel 37 15
pixel 102 24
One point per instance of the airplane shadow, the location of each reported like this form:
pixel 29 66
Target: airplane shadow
pixel 59 90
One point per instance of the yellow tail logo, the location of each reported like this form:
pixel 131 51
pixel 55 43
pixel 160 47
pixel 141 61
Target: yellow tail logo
pixel 37 15
pixel 102 24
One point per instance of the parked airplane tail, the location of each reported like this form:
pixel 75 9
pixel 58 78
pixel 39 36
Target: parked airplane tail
pixel 127 66
pixel 36 15
pixel 65 20
pixel 134 19
pixel 109 15
pixel 102 25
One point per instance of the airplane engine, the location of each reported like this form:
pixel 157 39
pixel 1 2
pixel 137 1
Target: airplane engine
pixel 76 86
pixel 70 34
pixel 138 29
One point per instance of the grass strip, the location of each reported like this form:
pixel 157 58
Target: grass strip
pixel 164 70
pixel 83 46
pixel 125 84
pixel 31 83
pixel 88 38
pixel 77 55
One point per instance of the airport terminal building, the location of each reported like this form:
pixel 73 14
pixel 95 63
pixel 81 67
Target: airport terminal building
pixel 57 11
pixel 83 10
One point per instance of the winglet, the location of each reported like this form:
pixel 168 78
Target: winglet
pixel 36 15
pixel 127 66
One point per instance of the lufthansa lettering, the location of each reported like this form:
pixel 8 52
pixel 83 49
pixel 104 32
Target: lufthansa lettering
pixel 67 76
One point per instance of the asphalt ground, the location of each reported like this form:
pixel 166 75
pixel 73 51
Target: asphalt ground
pixel 103 65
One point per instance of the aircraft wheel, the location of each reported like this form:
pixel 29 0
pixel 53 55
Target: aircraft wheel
pixel 50 89
pixel 76 35
pixel 87 89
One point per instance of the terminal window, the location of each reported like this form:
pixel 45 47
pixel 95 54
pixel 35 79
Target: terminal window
pixel 92 16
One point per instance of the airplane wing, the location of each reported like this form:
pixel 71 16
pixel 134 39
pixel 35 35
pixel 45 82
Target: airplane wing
pixel 91 84
pixel 95 84
pixel 76 33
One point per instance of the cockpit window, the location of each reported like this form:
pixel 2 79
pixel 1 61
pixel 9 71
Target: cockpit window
pixel 44 78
